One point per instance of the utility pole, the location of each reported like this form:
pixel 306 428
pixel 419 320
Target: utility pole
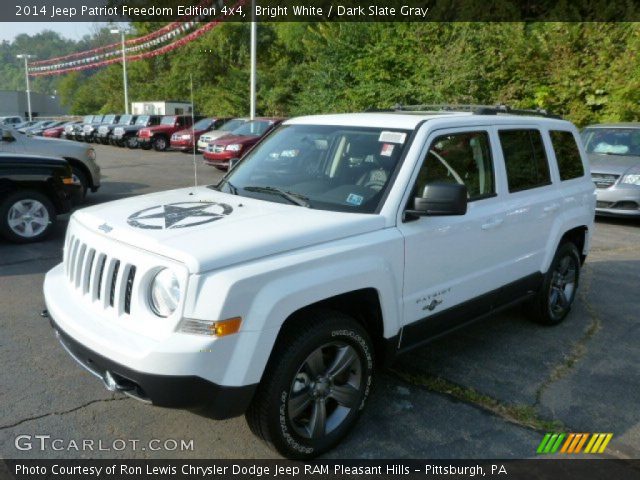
pixel 26 75
pixel 124 68
pixel 254 39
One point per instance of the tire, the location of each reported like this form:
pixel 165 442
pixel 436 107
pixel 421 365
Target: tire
pixel 79 176
pixel 131 142
pixel 553 302
pixel 160 143
pixel 26 216
pixel 302 364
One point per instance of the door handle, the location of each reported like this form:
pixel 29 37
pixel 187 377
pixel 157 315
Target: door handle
pixel 496 222
pixel 551 208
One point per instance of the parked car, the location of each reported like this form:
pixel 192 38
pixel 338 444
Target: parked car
pixel 186 140
pixel 341 241
pixel 225 129
pixel 26 124
pixel 39 130
pixel 72 132
pixel 108 122
pixel 33 190
pixel 105 131
pixel 87 134
pixel 128 135
pixel 11 121
pixel 38 125
pixel 57 132
pixel 224 150
pixel 159 136
pixel 614 154
pixel 81 158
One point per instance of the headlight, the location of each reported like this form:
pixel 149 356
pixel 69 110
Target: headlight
pixel 164 295
pixel 91 153
pixel 234 147
pixel 633 179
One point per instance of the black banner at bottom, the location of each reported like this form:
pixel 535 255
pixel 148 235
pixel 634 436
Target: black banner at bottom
pixel 583 469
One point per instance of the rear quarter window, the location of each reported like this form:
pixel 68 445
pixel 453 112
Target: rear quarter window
pixel 567 154
pixel 525 159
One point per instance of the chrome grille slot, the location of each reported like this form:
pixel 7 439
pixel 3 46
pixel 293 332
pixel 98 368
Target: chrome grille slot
pixel 97 282
pixel 72 257
pixel 113 281
pixel 78 266
pixel 86 271
pixel 128 289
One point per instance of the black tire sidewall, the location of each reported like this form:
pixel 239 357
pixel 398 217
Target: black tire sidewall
pixel 7 202
pixel 283 436
pixel 563 250
pixel 82 178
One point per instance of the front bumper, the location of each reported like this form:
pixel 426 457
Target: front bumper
pixel 181 145
pixel 189 392
pixel 620 200
pixel 171 370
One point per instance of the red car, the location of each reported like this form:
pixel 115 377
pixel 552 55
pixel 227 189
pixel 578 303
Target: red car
pixel 186 140
pixel 159 136
pixel 56 132
pixel 238 142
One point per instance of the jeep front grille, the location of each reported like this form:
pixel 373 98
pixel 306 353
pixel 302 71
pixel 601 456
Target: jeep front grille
pixel 104 279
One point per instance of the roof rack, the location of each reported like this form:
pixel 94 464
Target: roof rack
pixel 475 109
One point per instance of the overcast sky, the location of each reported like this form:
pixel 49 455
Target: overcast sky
pixel 71 30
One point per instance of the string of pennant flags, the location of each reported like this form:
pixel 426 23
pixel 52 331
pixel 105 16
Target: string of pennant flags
pixel 107 55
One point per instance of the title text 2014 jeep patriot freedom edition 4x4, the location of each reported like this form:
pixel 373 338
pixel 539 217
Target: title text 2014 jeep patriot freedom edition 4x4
pixel 338 242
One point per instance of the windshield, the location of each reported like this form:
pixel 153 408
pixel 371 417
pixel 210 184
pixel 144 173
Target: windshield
pixel 125 119
pixel 87 119
pixel 231 125
pixel 108 118
pixel 142 120
pixel 329 167
pixel 203 124
pixel 170 120
pixel 253 128
pixel 97 119
pixel 612 141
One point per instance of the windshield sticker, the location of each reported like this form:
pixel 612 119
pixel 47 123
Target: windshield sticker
pixel 354 199
pixel 179 215
pixel 392 137
pixel 387 150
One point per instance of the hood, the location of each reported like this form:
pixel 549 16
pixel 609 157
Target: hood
pixel 188 131
pixel 159 128
pixel 206 229
pixel 229 139
pixel 215 134
pixel 52 146
pixel 613 164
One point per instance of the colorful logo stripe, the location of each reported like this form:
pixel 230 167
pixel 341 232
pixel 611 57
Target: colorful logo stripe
pixel 574 442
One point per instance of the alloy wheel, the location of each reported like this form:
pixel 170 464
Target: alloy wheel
pixel 28 218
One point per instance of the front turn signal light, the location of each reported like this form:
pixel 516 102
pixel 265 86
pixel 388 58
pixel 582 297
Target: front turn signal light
pixel 219 328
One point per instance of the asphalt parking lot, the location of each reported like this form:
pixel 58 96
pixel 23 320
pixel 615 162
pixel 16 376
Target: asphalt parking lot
pixel 490 391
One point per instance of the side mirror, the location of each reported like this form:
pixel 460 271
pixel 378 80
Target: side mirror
pixel 441 199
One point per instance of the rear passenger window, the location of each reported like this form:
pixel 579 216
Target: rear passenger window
pixel 567 154
pixel 525 159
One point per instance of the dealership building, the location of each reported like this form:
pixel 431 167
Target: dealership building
pixel 14 103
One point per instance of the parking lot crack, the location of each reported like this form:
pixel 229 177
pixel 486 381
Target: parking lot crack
pixel 579 348
pixel 64 412
pixel 521 415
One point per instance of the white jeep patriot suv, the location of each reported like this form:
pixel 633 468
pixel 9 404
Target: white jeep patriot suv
pixel 337 243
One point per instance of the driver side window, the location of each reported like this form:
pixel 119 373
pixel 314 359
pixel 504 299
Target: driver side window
pixel 463 158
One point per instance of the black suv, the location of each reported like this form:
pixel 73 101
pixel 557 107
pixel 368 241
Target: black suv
pixel 128 135
pixel 33 190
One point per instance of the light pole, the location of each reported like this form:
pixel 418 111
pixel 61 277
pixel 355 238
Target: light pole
pixel 253 48
pixel 124 68
pixel 26 75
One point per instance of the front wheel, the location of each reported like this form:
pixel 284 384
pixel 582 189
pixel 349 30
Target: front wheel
pixel 26 216
pixel 556 296
pixel 315 385
pixel 160 144
pixel 81 178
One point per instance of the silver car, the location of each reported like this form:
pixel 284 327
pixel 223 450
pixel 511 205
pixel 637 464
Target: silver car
pixel 614 154
pixel 82 158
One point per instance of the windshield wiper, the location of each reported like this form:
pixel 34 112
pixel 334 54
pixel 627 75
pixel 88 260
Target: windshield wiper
pixel 295 198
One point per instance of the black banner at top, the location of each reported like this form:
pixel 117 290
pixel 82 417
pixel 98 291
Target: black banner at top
pixel 320 10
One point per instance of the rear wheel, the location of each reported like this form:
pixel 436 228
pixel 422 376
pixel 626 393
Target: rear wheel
pixel 26 216
pixel 315 385
pixel 554 300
